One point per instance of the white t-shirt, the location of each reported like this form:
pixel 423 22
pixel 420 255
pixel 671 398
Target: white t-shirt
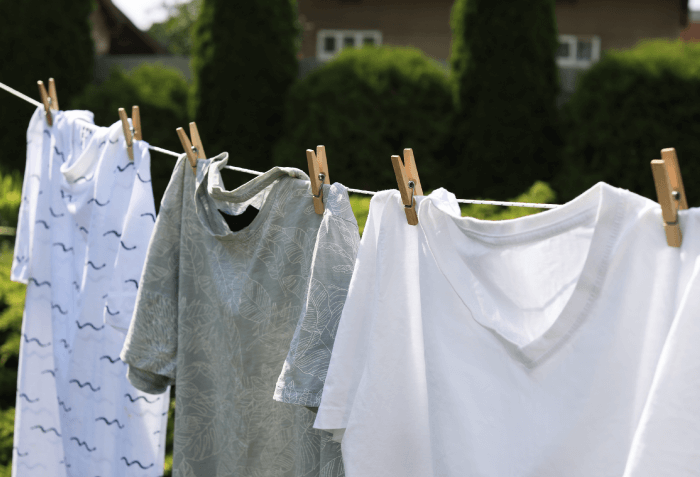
pixel 525 347
pixel 85 206
pixel 667 441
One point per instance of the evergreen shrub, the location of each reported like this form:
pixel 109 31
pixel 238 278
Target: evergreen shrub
pixel 11 309
pixel 628 107
pixel 10 198
pixel 161 94
pixel 40 40
pixel 365 106
pixel 506 83
pixel 244 62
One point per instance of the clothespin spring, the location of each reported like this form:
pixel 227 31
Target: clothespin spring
pixel 676 195
pixel 412 186
pixel 321 177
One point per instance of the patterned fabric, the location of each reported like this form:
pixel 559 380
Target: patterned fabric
pixel 76 413
pixel 305 368
pixel 217 311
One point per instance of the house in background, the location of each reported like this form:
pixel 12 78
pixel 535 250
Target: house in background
pixel 692 33
pixel 118 42
pixel 586 28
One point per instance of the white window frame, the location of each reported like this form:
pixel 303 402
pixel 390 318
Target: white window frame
pixel 339 35
pixel 572 41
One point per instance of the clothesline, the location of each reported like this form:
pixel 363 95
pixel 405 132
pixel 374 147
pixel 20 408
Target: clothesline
pixel 256 173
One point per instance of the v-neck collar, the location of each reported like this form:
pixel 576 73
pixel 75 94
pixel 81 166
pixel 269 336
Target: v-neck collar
pixel 601 205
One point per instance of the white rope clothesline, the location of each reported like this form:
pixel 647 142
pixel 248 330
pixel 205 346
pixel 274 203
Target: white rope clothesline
pixel 256 173
pixel 20 95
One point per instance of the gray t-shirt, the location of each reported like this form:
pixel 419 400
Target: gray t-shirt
pixel 219 311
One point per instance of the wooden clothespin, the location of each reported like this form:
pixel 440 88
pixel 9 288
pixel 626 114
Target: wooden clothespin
pixel 409 183
pixel 195 151
pixel 50 99
pixel 131 132
pixel 318 172
pixel 671 193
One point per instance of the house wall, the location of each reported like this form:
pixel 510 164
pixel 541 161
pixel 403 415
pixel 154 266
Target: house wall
pixel 692 31
pixel 425 24
pixel 620 24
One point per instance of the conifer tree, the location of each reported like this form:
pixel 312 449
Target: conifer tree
pixel 506 84
pixel 244 62
pixel 40 40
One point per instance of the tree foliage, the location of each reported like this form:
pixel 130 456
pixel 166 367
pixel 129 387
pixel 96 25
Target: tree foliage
pixel 506 82
pixel 365 106
pixel 11 309
pixel 175 33
pixel 40 40
pixel 628 107
pixel 244 62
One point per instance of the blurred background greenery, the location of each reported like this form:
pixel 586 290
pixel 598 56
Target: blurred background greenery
pixel 486 125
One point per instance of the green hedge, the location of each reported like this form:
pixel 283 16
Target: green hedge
pixel 506 83
pixel 161 94
pixel 244 62
pixel 628 107
pixel 10 198
pixel 364 106
pixel 40 40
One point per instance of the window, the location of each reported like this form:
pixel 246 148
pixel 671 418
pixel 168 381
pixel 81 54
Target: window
pixel 330 42
pixel 329 45
pixel 579 51
pixel 563 50
pixel 584 50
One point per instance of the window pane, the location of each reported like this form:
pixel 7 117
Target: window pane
pixel 563 51
pixel 584 50
pixel 348 41
pixel 329 44
pixel 368 40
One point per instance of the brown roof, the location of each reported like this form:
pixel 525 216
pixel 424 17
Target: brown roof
pixel 125 37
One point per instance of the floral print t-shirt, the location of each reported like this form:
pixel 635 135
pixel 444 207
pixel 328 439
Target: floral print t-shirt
pixel 222 313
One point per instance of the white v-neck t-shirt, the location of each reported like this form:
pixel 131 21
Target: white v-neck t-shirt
pixel 85 222
pixel 525 347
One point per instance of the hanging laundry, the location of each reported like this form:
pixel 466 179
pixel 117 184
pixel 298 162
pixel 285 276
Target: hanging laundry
pixel 217 310
pixel 522 348
pixel 668 436
pixel 85 206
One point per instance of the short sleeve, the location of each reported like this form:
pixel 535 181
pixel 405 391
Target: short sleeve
pixel 347 362
pixel 24 239
pixel 304 373
pixel 133 244
pixel 150 348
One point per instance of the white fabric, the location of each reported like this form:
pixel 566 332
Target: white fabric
pixel 667 441
pixel 85 207
pixel 524 347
